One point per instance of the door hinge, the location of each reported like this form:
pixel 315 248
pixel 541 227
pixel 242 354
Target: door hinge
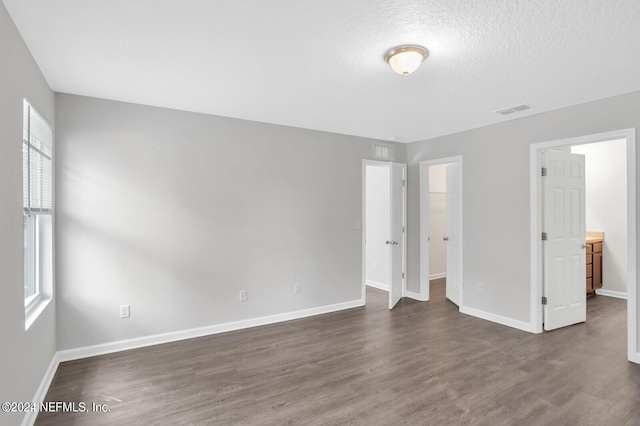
pixel 544 300
pixel 403 275
pixel 544 236
pixel 404 182
pixel 544 171
pixel 403 229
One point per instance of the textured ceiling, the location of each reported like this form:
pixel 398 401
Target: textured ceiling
pixel 319 64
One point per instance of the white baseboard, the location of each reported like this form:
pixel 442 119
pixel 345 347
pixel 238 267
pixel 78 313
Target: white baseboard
pixel 30 417
pixel 438 276
pixel 509 322
pixel 139 342
pixel 636 359
pixel 377 285
pixel 415 296
pixel 611 293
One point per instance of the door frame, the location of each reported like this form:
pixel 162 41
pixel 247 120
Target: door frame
pixel 424 226
pixel 536 290
pixel 387 164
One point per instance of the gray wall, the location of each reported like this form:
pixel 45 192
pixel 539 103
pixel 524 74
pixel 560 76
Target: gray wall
pixel 496 196
pixel 25 355
pixel 174 213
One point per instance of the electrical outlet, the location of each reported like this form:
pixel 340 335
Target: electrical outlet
pixel 125 311
pixel 243 295
pixel 480 287
pixel 297 288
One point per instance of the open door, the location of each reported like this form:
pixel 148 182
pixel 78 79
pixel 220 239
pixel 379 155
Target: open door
pixel 396 234
pixel 564 248
pixel 453 234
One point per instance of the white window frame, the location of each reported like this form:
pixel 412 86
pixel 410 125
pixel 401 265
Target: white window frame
pixel 38 265
pixel 32 300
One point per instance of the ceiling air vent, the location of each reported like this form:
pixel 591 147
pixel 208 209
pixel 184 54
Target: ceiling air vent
pixel 513 109
pixel 384 152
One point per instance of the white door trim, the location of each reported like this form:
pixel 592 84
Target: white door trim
pixel 424 224
pixel 386 164
pixel 633 352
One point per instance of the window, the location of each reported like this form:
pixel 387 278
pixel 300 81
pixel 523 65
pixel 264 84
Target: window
pixel 37 200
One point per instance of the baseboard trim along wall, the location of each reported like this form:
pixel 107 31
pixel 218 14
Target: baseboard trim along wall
pixel 509 322
pixel 30 416
pixel 611 293
pixel 377 285
pixel 438 276
pixel 139 342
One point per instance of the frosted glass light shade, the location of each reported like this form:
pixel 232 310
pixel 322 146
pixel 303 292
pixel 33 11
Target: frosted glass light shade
pixel 406 59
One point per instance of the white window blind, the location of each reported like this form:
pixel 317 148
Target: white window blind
pixel 37 153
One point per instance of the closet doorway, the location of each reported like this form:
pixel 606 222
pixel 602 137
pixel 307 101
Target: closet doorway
pixel 441 226
pixel 384 207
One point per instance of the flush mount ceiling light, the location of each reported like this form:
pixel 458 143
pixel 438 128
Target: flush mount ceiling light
pixel 406 59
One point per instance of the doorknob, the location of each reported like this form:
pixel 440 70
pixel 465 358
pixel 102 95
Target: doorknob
pixel 584 246
pixel 445 238
pixel 395 243
pixel 387 242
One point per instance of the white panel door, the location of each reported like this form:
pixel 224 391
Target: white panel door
pixel 564 250
pixel 453 234
pixel 396 234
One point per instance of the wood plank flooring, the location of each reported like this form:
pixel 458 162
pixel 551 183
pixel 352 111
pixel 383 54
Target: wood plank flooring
pixel 421 364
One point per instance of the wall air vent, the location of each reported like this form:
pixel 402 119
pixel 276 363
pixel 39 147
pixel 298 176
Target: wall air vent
pixel 384 152
pixel 513 109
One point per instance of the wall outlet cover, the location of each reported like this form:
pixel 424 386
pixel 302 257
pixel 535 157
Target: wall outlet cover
pixel 125 311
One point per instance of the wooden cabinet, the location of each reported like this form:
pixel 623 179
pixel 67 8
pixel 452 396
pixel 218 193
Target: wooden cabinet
pixel 597 266
pixel 594 266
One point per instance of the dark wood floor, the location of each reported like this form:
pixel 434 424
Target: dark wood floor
pixel 422 363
